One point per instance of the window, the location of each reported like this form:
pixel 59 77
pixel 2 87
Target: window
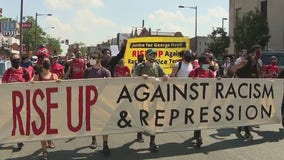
pixel 263 8
pixel 238 16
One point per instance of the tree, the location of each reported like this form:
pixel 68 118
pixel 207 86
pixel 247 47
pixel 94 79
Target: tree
pixel 220 41
pixel 53 45
pixel 42 38
pixel 252 29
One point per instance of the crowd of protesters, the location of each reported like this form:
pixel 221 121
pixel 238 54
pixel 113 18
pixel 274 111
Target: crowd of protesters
pixel 45 67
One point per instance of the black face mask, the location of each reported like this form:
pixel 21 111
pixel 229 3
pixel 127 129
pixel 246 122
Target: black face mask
pixel 140 59
pixel 46 65
pixel 188 58
pixel 15 63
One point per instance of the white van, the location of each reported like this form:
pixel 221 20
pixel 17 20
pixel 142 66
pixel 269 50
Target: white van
pixel 4 65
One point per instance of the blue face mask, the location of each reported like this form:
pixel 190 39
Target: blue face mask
pixel 205 66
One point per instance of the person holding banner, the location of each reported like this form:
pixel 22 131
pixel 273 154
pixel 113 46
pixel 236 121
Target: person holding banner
pixel 98 71
pixel 46 75
pixel 247 68
pixel 140 59
pixel 16 74
pixel 150 68
pixel 203 71
pixel 183 67
pixel 76 67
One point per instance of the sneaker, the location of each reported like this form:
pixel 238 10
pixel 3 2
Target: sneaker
pixel 44 155
pixel 93 145
pixel 283 121
pixel 50 144
pixel 153 147
pixel 198 143
pixel 139 138
pixel 248 138
pixel 239 135
pixel 106 150
pixel 18 147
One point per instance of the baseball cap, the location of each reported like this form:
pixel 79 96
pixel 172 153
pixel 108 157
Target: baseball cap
pixel 149 51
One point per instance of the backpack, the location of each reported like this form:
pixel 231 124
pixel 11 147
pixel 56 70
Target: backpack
pixel 179 66
pixel 25 75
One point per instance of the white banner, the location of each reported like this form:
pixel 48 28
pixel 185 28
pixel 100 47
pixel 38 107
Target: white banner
pixel 74 108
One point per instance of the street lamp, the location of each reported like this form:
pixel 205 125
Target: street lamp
pixel 21 27
pixel 38 14
pixel 195 22
pixel 223 19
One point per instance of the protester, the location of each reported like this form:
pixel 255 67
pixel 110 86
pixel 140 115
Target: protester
pixel 98 71
pixel 27 63
pixel 213 65
pixel 150 68
pixel 244 54
pixel 202 71
pixel 16 74
pixel 121 70
pixel 225 71
pixel 76 67
pixel 109 62
pixel 247 68
pixel 56 67
pixel 140 59
pixel 45 74
pixel 183 67
pixel 271 70
pixel 41 53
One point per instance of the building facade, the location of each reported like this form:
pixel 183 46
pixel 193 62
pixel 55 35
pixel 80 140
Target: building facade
pixel 271 8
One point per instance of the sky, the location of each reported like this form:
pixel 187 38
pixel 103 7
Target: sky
pixel 95 21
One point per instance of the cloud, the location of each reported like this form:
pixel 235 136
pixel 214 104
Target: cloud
pixel 86 20
pixel 60 29
pixel 65 4
pixel 217 12
pixel 179 21
pixel 161 15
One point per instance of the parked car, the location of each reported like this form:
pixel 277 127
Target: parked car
pixel 4 65
pixel 266 55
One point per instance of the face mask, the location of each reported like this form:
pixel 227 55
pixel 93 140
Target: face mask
pixel 93 62
pixel 24 56
pixel 140 59
pixel 258 54
pixel 273 63
pixel 188 58
pixel 205 66
pixel 15 63
pixel 151 57
pixel 78 55
pixel 46 64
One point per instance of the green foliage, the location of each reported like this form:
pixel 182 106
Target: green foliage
pixel 42 38
pixel 252 29
pixel 220 41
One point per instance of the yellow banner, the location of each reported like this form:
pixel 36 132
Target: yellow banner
pixel 167 48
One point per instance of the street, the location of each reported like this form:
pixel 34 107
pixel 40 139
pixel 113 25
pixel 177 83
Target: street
pixel 221 144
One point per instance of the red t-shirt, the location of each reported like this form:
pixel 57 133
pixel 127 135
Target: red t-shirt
pixel 271 69
pixel 121 71
pixel 78 68
pixel 200 73
pixel 58 69
pixel 14 75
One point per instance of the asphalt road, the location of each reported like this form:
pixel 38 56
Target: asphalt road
pixel 221 144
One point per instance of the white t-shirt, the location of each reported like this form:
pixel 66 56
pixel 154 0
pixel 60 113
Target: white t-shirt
pixel 184 69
